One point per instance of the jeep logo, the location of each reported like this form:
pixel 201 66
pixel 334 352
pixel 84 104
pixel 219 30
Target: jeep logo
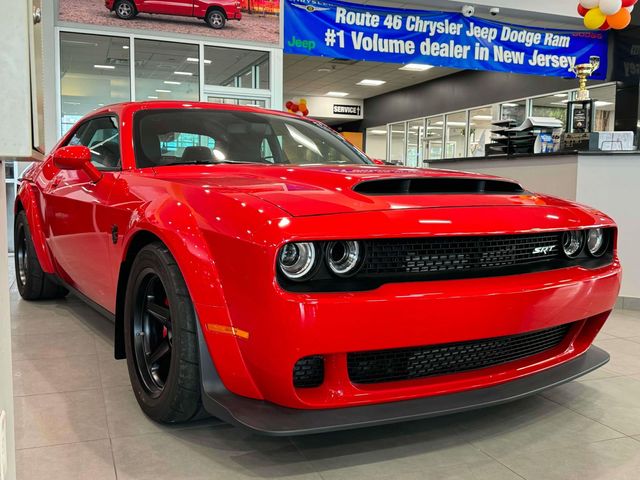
pixel 544 250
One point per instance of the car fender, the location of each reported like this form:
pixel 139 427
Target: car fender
pixel 29 200
pixel 175 224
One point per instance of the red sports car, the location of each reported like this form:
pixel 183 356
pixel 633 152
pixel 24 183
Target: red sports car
pixel 260 268
pixel 214 12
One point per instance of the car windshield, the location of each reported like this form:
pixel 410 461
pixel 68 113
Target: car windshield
pixel 181 137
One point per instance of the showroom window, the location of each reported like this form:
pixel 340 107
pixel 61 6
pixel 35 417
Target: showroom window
pixel 480 130
pixel 396 147
pixel 516 111
pixel 605 106
pixel 554 106
pixel 166 70
pixel 232 67
pixel 434 138
pixel 94 71
pixel 415 139
pixel 456 129
pixel 376 142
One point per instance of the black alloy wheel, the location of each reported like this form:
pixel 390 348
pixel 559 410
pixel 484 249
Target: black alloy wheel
pixel 21 253
pixel 161 338
pixel 153 335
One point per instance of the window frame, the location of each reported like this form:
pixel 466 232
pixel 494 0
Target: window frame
pixel 82 123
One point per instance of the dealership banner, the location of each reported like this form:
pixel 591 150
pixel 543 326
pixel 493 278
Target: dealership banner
pixel 444 39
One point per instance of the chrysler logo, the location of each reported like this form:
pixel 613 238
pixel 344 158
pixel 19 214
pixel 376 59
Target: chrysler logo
pixel 544 250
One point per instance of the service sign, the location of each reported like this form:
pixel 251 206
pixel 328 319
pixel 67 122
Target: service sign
pixel 445 39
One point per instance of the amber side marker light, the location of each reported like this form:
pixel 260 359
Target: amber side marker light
pixel 236 332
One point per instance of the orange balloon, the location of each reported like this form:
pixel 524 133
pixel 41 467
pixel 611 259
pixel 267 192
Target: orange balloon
pixel 620 20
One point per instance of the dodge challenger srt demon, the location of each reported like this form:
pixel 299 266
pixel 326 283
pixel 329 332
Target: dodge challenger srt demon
pixel 261 269
pixel 214 12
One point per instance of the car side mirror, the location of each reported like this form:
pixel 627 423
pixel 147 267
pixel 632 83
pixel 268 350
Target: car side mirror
pixel 76 157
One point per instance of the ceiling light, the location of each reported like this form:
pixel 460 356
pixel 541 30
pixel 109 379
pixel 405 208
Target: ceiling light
pixel 336 94
pixel 195 60
pixel 456 124
pixel 415 67
pixel 510 104
pixel 71 103
pixel 324 70
pixel 371 83
pixel 153 97
pixel 160 90
pixel 171 82
pixel 126 47
pixel 105 67
pixel 378 132
pixel 561 94
pixel 101 104
pixel 600 103
pixel 482 117
pixel 186 74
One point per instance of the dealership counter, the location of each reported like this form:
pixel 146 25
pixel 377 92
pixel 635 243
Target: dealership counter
pixel 609 181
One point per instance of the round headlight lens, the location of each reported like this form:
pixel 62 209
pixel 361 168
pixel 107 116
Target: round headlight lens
pixel 595 241
pixel 572 243
pixel 344 257
pixel 296 260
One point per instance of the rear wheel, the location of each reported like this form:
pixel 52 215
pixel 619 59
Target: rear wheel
pixel 33 283
pixel 215 19
pixel 125 9
pixel 161 339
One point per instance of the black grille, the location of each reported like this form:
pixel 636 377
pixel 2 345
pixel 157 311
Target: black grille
pixel 458 254
pixel 308 372
pixel 409 363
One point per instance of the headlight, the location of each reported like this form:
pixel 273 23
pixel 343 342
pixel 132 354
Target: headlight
pixel 343 257
pixel 596 242
pixel 297 260
pixel 572 242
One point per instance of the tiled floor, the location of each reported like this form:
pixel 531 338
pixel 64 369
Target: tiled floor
pixel 77 419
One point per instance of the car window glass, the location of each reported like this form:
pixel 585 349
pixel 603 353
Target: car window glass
pixel 101 136
pixel 169 137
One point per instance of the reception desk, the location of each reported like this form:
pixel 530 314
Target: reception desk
pixel 609 181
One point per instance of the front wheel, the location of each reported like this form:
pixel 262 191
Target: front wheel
pixel 161 338
pixel 215 19
pixel 125 9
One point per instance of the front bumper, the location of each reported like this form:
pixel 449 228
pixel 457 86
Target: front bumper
pixel 268 418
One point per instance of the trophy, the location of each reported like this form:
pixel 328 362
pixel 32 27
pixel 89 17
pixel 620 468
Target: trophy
pixel 582 72
pixel 581 111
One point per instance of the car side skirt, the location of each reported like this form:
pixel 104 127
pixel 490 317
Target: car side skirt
pixel 270 419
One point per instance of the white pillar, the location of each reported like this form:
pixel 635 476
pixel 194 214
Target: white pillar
pixel 6 376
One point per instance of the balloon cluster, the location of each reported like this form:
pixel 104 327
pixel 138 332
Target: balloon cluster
pixel 606 14
pixel 299 108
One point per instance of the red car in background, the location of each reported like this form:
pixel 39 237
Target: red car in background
pixel 214 12
pixel 259 267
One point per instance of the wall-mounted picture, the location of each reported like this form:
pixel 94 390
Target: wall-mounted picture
pixel 248 20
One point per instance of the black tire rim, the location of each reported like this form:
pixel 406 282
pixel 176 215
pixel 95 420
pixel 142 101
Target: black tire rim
pixel 152 332
pixel 125 10
pixel 22 255
pixel 216 19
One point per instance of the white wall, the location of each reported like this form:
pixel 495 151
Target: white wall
pixel 376 146
pixel 610 183
pixel 566 8
pixel 322 107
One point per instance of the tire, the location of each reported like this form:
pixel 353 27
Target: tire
pixel 125 9
pixel 216 19
pixel 33 283
pixel 162 347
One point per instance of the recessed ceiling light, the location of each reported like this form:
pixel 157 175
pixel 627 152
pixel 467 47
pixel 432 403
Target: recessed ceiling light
pixel 378 132
pixel 456 124
pixel 186 74
pixel 160 90
pixel 195 60
pixel 153 97
pixel 561 94
pixel 337 94
pixel 482 117
pixel 126 47
pixel 371 83
pixel 71 103
pixel 324 70
pixel 171 82
pixel 415 67
pixel 105 67
pixel 510 104
pixel 600 103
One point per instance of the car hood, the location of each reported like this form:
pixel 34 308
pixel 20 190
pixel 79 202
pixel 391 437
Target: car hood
pixel 323 190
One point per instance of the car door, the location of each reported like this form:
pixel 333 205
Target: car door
pixel 167 7
pixel 77 213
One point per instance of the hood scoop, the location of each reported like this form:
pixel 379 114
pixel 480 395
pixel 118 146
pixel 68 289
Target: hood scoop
pixel 437 186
